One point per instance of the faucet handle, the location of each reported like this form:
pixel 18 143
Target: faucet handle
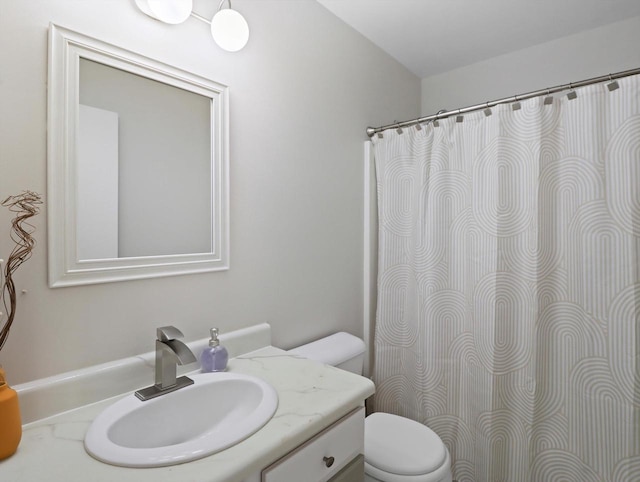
pixel 168 333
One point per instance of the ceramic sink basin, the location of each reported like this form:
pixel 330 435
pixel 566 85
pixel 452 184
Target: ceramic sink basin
pixel 219 410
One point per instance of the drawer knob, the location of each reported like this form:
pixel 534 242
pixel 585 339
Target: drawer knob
pixel 328 461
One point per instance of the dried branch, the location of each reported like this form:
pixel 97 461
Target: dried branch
pixel 25 206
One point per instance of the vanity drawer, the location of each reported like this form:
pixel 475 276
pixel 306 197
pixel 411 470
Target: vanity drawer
pixel 324 455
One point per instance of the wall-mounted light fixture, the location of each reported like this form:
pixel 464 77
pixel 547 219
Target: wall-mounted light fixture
pixel 228 28
pixel 167 11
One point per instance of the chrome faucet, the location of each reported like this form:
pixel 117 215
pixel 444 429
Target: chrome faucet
pixel 170 352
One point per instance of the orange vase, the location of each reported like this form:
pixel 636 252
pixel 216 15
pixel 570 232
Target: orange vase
pixel 10 425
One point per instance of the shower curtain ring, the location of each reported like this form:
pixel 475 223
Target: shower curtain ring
pixel 487 111
pixel 516 105
pixel 548 99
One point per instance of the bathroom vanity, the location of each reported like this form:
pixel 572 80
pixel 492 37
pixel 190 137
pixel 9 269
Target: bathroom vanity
pixel 316 433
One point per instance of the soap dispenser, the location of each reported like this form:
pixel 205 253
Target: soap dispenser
pixel 214 358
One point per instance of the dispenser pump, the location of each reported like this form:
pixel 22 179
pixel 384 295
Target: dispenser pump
pixel 214 337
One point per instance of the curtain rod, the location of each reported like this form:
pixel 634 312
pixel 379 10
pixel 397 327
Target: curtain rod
pixel 371 131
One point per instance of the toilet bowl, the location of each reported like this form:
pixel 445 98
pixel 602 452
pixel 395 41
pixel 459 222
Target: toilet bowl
pixel 396 449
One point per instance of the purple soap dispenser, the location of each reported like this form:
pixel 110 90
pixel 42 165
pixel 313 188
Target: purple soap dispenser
pixel 214 358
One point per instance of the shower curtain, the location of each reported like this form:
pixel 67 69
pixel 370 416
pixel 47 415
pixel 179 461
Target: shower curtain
pixel 508 315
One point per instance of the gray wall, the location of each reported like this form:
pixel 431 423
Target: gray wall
pixel 591 53
pixel 301 94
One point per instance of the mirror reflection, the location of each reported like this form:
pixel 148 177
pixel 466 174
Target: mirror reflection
pixel 144 179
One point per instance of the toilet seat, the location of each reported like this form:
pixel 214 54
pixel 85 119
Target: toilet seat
pixel 442 474
pixel 397 448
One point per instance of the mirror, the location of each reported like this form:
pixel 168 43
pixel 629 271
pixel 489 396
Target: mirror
pixel 137 166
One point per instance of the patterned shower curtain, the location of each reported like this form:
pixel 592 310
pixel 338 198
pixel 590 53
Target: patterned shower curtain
pixel 508 316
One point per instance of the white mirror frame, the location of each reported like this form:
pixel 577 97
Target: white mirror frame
pixel 65 269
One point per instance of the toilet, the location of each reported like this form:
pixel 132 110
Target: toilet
pixel 396 449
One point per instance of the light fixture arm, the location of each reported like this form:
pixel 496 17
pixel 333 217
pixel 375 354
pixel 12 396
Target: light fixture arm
pixel 201 18
pixel 206 20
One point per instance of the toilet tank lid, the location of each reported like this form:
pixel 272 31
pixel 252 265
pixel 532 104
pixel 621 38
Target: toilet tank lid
pixel 333 349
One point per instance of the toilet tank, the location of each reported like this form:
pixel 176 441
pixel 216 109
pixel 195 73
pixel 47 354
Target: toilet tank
pixel 341 350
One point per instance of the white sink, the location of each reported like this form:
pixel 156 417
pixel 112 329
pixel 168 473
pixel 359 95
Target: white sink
pixel 219 410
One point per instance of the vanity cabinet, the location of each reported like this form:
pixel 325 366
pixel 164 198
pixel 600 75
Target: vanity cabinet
pixel 335 455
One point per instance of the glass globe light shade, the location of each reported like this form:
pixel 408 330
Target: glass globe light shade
pixel 167 11
pixel 229 30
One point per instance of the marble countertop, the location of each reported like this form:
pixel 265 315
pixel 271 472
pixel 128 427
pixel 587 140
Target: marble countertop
pixel 311 397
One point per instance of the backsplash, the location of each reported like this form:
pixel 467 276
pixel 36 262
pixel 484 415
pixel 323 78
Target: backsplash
pixel 50 396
